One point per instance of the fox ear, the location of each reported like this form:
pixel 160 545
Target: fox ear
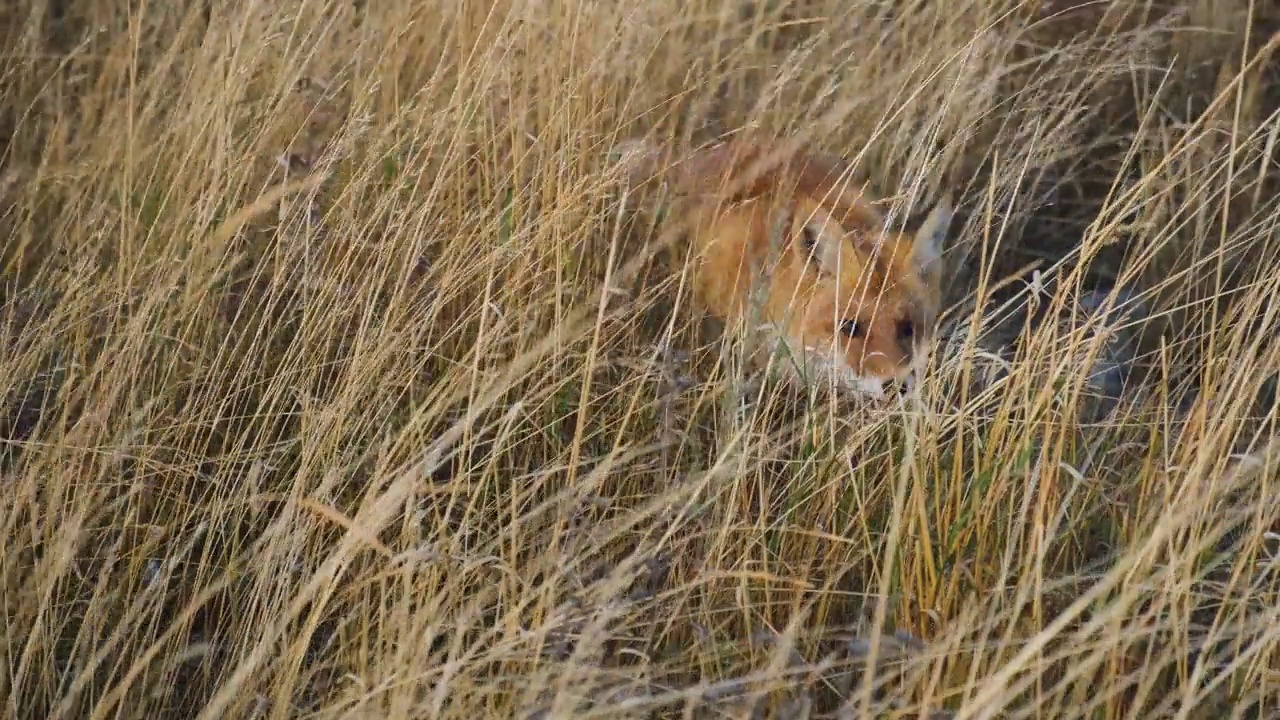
pixel 929 237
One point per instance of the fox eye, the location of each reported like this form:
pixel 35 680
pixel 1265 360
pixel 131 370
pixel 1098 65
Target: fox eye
pixel 809 238
pixel 851 328
pixel 906 330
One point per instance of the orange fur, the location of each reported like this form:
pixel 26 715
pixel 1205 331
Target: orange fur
pixel 846 298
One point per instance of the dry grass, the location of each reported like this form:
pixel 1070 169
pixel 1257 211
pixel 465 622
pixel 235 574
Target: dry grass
pixel 338 383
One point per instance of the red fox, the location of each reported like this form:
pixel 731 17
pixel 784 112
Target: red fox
pixel 845 300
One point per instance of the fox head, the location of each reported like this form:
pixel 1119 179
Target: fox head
pixel 858 300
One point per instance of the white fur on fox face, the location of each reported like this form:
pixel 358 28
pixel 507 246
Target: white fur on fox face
pixel 833 366
pixel 871 386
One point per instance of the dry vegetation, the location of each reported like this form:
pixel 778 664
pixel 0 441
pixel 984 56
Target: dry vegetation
pixel 340 380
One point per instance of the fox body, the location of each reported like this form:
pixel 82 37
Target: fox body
pixel 782 238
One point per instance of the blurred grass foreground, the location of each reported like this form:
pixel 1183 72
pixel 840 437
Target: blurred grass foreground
pixel 341 380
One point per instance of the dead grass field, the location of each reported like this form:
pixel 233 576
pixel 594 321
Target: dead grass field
pixel 338 383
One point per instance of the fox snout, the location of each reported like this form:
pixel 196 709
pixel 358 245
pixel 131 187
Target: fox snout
pixel 890 361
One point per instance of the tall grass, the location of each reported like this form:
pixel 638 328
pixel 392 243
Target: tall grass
pixel 342 381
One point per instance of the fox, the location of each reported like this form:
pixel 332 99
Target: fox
pixel 778 229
